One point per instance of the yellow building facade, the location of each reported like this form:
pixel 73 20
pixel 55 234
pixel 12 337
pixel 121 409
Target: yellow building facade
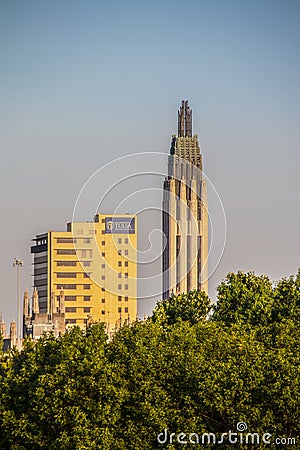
pixel 94 264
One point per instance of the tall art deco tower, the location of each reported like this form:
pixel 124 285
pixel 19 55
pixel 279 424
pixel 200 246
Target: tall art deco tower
pixel 185 215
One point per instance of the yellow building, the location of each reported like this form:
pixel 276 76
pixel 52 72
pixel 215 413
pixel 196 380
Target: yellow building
pixel 95 265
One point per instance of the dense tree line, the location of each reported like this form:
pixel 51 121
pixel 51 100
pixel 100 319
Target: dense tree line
pixel 189 368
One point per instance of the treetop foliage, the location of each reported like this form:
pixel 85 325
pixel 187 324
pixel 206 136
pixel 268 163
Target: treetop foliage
pixel 190 367
pixel 192 307
pixel 253 300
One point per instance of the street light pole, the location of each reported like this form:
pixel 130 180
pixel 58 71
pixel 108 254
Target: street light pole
pixel 18 263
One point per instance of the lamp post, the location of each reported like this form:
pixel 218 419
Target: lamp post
pixel 18 263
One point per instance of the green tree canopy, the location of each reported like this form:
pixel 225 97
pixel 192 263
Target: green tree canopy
pixel 192 307
pixel 179 370
pixel 244 298
pixel 58 393
pixel 286 299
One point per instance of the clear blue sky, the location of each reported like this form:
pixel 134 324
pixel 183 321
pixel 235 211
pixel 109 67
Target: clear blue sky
pixel 84 82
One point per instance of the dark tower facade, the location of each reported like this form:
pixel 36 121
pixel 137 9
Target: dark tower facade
pixel 185 215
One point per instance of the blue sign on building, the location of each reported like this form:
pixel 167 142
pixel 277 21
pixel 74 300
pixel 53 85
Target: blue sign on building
pixel 119 225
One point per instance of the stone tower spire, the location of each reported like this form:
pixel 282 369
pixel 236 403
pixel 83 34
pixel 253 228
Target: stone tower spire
pixel 35 302
pixel 184 120
pixel 185 215
pixel 52 305
pixel 26 304
pixel 13 334
pixel 62 302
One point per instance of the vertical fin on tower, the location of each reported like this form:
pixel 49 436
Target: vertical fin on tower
pixel 188 120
